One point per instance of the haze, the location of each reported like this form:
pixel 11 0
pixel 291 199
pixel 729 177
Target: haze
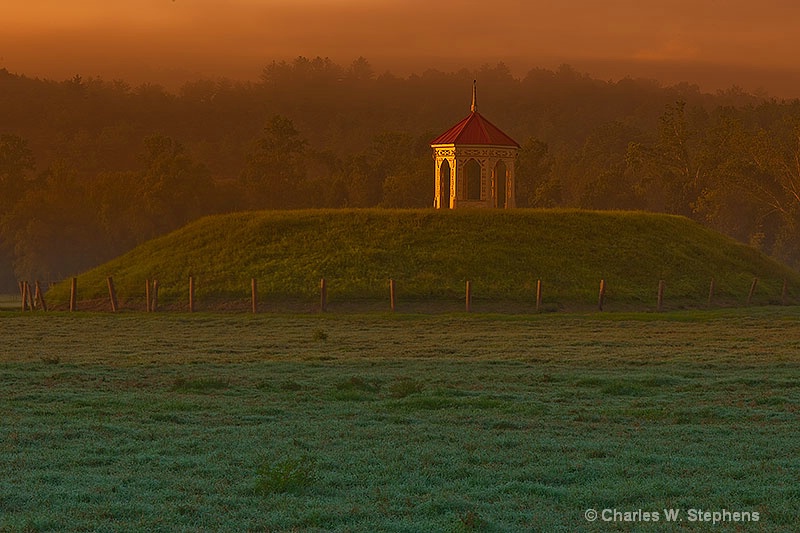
pixel 716 44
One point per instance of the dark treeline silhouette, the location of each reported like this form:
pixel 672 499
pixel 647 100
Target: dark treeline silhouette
pixel 90 168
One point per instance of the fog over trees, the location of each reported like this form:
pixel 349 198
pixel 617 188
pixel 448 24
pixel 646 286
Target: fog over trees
pixel 89 168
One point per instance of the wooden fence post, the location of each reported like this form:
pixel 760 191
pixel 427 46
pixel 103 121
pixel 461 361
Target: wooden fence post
pixel 660 303
pixel 323 295
pixel 29 293
pixel 254 295
pixel 191 294
pixel 40 297
pixel 602 296
pixel 23 292
pixel 23 296
pixel 538 295
pixel 392 295
pixel 147 295
pixel 154 303
pixel 468 297
pixel 112 293
pixel 711 292
pixel 73 295
pixel 752 290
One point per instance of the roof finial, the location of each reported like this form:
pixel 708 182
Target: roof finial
pixel 474 106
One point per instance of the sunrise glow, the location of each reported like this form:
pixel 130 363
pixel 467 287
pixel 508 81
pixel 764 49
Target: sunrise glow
pixel 150 38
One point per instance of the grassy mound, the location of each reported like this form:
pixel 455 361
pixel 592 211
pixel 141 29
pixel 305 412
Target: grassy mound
pixel 430 254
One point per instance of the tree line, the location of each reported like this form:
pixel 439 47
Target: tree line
pixel 90 168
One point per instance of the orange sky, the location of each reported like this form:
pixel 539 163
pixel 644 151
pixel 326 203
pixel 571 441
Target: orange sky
pixel 713 43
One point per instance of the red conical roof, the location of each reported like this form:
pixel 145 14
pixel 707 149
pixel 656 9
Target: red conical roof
pixel 475 129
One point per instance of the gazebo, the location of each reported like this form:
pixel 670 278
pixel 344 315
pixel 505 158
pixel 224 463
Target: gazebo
pixel 474 164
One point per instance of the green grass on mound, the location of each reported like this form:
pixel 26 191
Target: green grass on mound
pixel 431 254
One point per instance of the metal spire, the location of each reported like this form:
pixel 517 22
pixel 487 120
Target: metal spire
pixel 474 106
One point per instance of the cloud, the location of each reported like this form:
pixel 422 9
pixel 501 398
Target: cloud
pixel 237 38
pixel 671 50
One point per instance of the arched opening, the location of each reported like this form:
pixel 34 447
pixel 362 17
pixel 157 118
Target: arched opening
pixel 472 175
pixel 501 185
pixel 444 185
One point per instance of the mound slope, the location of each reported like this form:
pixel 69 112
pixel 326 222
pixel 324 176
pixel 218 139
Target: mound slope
pixel 430 254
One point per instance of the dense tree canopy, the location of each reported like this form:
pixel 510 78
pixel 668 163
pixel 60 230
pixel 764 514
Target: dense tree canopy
pixel 89 168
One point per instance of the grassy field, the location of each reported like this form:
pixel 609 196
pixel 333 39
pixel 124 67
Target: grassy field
pixel 9 302
pixel 431 254
pixel 397 422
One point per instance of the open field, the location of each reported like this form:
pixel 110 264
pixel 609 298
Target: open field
pixel 9 301
pixel 397 422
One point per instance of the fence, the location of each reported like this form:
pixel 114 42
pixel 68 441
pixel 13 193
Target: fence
pixel 33 298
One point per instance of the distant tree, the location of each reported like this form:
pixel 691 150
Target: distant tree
pixel 360 70
pixel 362 183
pixel 122 220
pixel 408 189
pixel 601 179
pixel 402 169
pixel 16 163
pixel 667 170
pixel 275 173
pixel 52 227
pixel 778 189
pixel 536 186
pixel 728 201
pixel 173 189
pixel 302 73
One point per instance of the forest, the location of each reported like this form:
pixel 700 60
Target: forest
pixel 89 168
